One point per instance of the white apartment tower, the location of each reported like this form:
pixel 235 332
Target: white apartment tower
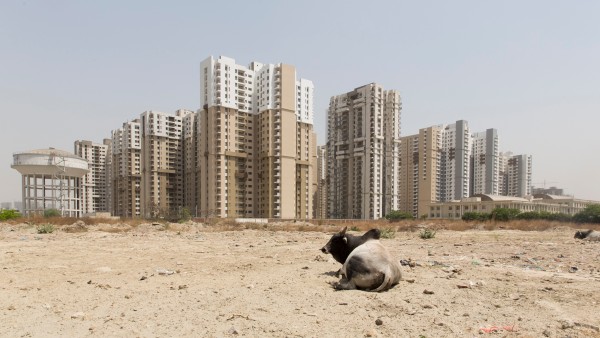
pixel 485 163
pixel 95 193
pixel 256 146
pixel 321 195
pixel 515 174
pixel 455 161
pixel 363 144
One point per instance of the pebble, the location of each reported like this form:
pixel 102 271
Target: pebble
pixel 378 321
pixel 371 333
pixel 428 292
pixel 233 330
pixel 78 315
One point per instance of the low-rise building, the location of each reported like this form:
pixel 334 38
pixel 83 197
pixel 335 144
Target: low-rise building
pixel 486 203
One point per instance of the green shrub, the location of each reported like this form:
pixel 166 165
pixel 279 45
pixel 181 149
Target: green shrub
pixel 9 214
pixel 591 214
pixel 388 233
pixel 396 215
pixel 51 213
pixel 427 233
pixel 505 214
pixel 185 216
pixel 475 216
pixel 45 228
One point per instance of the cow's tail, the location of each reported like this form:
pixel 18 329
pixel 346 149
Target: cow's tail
pixel 388 280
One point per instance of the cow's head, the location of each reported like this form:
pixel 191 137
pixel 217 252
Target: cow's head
pixel 338 246
pixel 582 234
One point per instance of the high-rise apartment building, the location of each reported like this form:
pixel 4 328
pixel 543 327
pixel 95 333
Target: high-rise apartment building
pixel 320 201
pixel 515 174
pixel 191 178
pixel 363 144
pixel 455 161
pixel 162 163
pixel 127 170
pixel 95 194
pixel 256 146
pixel 485 163
pixel 420 162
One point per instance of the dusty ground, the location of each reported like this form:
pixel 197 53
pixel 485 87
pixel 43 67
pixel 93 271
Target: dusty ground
pixel 256 283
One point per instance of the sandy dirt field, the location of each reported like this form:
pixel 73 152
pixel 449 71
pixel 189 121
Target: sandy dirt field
pixel 186 281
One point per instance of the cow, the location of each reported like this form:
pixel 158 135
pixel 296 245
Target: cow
pixel 341 244
pixel 590 235
pixel 367 265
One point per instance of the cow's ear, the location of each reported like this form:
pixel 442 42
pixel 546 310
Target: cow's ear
pixel 345 239
pixel 343 232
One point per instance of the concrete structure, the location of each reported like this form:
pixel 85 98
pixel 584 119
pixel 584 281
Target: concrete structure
pixel 363 145
pixel 321 195
pixel 487 203
pixel 256 148
pixel 95 183
pixel 51 179
pixel 485 157
pixel 127 170
pixel 420 177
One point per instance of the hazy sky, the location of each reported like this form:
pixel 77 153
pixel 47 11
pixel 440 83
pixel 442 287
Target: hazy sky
pixel 531 69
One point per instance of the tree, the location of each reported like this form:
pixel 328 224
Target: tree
pixel 505 214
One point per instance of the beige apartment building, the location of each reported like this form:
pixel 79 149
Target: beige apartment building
pixel 256 147
pixel 95 184
pixel 420 157
pixel 162 163
pixel 127 170
pixel 363 144
pixel 190 163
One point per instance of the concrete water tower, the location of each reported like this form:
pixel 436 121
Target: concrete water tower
pixel 51 179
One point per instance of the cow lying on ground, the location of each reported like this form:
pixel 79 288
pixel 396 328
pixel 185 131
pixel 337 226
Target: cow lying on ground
pixel 590 235
pixel 367 265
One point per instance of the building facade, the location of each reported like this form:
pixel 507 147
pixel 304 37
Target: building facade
pixel 256 145
pixel 363 146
